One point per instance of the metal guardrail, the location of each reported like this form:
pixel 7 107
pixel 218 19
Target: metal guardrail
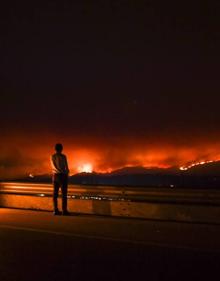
pixel 114 193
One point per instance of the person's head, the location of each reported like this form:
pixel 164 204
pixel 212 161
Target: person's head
pixel 58 147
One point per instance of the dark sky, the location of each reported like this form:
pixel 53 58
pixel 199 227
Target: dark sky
pixel 125 76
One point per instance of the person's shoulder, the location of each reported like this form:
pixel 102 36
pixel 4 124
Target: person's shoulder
pixel 53 155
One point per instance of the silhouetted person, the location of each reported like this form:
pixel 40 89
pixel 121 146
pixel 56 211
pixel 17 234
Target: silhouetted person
pixel 60 178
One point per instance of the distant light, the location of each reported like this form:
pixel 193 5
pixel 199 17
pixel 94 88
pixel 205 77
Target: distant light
pixel 31 175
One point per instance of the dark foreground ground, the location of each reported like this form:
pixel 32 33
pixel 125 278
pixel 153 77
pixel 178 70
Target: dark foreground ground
pixel 39 246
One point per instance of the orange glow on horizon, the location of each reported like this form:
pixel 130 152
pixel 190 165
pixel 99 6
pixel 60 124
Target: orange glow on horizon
pixel 22 156
pixel 85 168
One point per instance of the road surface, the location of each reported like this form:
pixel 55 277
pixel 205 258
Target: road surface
pixel 38 246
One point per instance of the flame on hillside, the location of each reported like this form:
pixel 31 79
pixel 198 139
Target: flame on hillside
pixel 185 168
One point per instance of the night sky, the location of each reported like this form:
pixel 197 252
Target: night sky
pixel 118 84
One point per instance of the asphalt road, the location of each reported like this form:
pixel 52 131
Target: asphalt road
pixel 38 246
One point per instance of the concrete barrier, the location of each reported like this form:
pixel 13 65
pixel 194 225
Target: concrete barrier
pixel 202 206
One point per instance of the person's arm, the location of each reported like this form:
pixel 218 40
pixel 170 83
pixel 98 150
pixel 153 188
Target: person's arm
pixel 53 164
pixel 66 164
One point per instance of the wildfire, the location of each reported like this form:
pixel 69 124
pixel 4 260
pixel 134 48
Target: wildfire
pixel 185 168
pixel 85 168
